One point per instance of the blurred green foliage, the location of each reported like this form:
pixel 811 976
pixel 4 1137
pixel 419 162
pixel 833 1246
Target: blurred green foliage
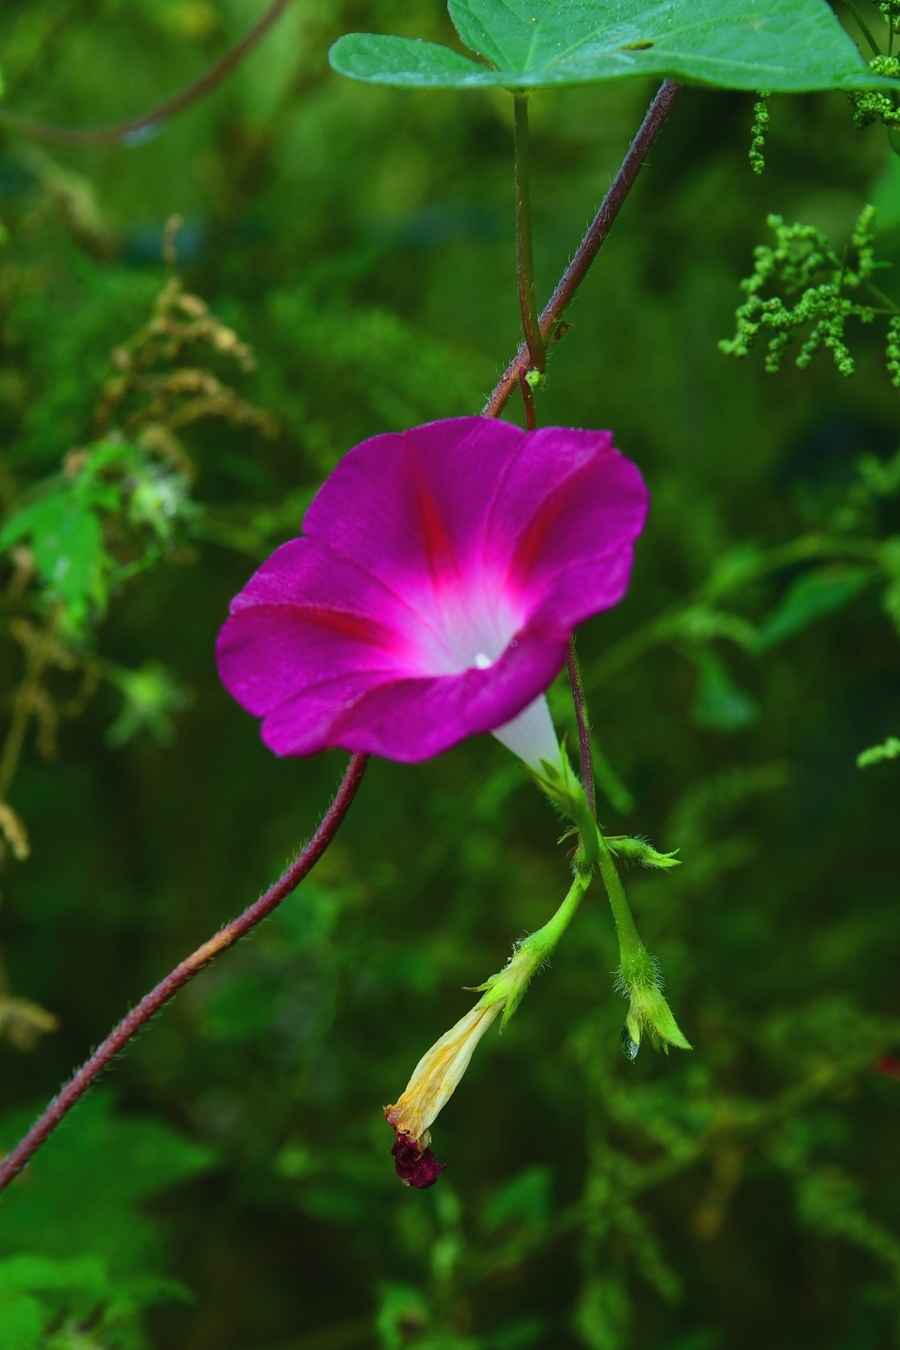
pixel 75 1205
pixel 346 266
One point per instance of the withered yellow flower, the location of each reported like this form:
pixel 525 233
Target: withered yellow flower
pixel 433 1082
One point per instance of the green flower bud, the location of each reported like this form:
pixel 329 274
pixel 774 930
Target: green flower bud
pixel 648 1011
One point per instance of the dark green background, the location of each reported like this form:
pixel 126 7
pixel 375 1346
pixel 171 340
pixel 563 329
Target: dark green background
pixel 362 240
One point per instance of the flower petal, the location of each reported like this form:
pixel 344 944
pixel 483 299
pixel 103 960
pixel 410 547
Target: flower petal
pixel 412 506
pixel 307 572
pixel 304 724
pixel 570 499
pixel 309 616
pixel 411 720
pixel 585 588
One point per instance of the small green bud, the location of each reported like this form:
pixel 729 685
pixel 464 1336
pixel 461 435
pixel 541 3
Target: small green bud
pixel 535 379
pixel 640 851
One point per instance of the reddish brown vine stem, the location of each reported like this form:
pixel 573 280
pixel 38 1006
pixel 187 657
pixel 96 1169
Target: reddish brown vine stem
pixel 130 132
pixel 150 1004
pixel 590 245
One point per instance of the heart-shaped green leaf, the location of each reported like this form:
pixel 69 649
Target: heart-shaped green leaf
pixel 781 45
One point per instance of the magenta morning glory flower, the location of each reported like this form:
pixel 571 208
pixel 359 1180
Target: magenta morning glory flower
pixel 432 595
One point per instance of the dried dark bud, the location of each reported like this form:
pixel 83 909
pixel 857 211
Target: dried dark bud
pixel 415 1166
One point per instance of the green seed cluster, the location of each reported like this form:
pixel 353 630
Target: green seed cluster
pixel 802 261
pixel 874 105
pixel 890 10
pixel 758 132
pixel 893 350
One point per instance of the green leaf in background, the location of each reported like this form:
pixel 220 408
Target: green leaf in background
pixel 888 749
pixel 407 62
pixel 64 524
pixel 67 542
pixel 36 1292
pixel 81 1196
pixel 886 195
pixel 720 704
pixel 524 1199
pixel 403 1311
pixel 787 46
pixel 810 596
pixel 63 527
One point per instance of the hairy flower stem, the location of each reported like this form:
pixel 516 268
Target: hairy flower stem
pixel 545 939
pixel 525 239
pixel 594 852
pixel 130 132
pixel 151 1003
pixel 633 955
pixel 590 245
pixel 508 987
pixel 639 977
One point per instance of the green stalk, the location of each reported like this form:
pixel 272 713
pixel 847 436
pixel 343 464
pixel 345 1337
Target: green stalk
pixel 863 28
pixel 639 975
pixel 636 961
pixel 525 238
pixel 542 943
pixel 511 983
pixel 593 851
